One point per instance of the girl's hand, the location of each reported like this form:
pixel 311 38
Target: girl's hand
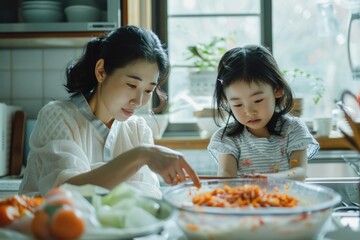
pixel 169 164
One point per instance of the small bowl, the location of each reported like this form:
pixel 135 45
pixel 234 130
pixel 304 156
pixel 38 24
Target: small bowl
pixel 82 13
pixel 207 126
pixel 158 123
pixel 41 15
pixel 301 222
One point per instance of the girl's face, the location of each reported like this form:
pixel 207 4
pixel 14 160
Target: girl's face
pixel 253 105
pixel 127 89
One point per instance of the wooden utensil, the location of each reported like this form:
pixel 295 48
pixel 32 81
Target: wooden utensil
pixel 355 127
pixel 17 143
pixel 349 139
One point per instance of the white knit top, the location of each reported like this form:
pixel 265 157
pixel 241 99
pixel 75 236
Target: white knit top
pixel 68 140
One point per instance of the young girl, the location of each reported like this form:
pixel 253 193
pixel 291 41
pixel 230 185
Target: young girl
pixel 93 138
pixel 260 137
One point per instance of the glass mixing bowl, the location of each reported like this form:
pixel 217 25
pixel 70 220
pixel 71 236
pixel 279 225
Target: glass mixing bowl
pixel 301 222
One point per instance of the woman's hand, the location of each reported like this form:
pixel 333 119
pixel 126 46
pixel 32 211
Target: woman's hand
pixel 169 164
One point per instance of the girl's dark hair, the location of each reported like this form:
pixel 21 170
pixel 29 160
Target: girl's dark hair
pixel 118 48
pixel 250 64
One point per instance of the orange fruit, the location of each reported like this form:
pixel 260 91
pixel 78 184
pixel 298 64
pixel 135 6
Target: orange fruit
pixel 39 225
pixel 67 223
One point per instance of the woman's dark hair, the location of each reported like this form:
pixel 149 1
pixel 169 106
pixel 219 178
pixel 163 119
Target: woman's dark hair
pixel 250 64
pixel 118 48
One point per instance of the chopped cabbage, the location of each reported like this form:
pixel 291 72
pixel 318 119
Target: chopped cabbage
pixel 124 207
pixel 138 217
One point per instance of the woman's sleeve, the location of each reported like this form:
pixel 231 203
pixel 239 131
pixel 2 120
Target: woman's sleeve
pixel 56 148
pixel 299 138
pixel 145 132
pixel 222 145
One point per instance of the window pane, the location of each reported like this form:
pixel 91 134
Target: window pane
pixel 186 96
pixel 212 6
pixel 184 32
pixel 311 35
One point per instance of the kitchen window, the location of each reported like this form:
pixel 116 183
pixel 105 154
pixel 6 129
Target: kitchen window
pixel 305 34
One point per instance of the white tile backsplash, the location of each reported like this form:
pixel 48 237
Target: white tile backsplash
pixel 30 106
pixel 78 53
pixel 58 58
pixel 5 86
pixel 30 77
pixel 27 59
pixel 54 81
pixel 27 84
pixel 4 59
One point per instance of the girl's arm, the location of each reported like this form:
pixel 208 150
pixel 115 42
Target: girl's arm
pixel 297 169
pixel 227 166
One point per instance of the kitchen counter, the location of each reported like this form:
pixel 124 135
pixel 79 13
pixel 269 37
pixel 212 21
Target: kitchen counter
pixel 9 186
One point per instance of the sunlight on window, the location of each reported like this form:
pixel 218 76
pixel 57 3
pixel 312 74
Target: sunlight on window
pixel 307 35
pixel 310 35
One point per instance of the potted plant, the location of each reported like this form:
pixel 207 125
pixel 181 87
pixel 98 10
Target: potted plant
pixel 206 56
pixel 315 83
pixel 204 59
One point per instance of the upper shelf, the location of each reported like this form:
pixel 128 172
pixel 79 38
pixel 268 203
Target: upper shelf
pixel 22 34
pixel 110 19
pixel 57 27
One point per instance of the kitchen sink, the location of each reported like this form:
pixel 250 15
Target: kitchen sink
pixel 331 164
pixel 348 188
pixel 329 169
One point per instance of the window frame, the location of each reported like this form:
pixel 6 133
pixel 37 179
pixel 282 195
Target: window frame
pixel 160 26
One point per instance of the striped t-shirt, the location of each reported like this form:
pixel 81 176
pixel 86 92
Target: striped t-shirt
pixel 265 155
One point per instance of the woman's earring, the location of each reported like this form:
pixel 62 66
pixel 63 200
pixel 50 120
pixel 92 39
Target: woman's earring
pixel 278 93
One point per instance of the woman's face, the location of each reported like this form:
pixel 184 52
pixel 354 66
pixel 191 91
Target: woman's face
pixel 126 90
pixel 253 105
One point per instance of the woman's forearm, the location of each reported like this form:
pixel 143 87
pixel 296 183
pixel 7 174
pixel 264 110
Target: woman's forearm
pixel 169 164
pixel 112 173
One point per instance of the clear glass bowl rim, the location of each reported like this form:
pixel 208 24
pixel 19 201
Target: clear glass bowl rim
pixel 334 199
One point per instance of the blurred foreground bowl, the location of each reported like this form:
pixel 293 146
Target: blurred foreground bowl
pixel 301 222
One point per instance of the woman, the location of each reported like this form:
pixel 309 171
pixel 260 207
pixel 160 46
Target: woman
pixel 94 138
